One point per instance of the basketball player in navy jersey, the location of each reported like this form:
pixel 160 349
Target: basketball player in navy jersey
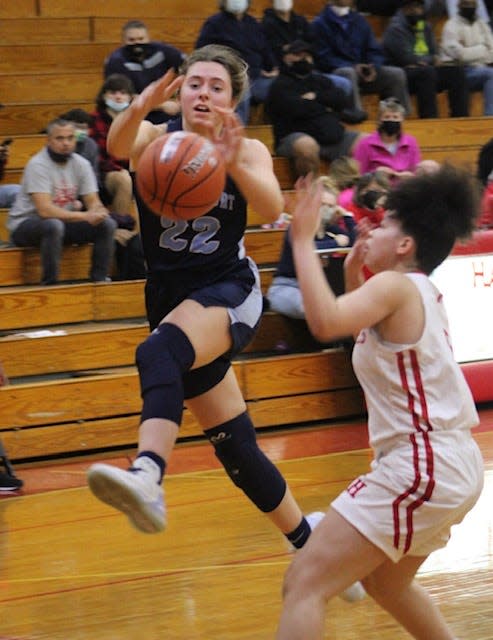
pixel 203 303
pixel 427 471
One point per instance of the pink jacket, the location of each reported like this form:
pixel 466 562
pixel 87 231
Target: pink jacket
pixel 371 153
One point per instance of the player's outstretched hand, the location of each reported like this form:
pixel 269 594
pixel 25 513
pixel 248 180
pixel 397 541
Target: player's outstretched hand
pixel 159 91
pixel 356 257
pixel 306 214
pixel 229 138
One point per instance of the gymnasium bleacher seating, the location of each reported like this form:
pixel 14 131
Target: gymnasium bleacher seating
pixel 69 349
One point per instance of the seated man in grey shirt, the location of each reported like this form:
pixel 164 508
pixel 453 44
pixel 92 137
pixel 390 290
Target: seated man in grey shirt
pixel 59 204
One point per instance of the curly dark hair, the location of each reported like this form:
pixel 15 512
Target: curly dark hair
pixel 437 210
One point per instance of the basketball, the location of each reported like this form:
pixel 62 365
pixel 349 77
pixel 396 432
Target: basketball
pixel 180 175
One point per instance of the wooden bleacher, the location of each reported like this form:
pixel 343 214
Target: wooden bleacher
pixel 69 349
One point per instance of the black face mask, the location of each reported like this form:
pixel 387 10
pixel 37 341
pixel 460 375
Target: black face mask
pixel 414 19
pixel 136 52
pixel 370 198
pixel 302 67
pixel 469 13
pixel 59 158
pixel 390 127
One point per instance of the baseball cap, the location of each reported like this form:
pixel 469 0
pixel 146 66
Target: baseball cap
pixel 297 46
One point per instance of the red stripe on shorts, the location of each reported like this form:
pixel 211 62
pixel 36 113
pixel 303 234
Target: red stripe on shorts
pixel 421 431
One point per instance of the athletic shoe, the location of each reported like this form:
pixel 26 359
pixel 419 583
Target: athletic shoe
pixel 134 492
pixel 9 482
pixel 356 591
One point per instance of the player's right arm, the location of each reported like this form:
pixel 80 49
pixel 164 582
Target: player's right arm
pixel 388 301
pixel 129 133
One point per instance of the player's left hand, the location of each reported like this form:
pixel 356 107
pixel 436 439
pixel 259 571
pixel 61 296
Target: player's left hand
pixel 306 214
pixel 230 137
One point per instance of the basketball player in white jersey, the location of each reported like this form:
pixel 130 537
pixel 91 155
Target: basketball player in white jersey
pixel 427 471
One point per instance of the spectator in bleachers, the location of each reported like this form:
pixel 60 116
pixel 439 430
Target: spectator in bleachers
pixel 8 192
pixel 113 97
pixel 336 230
pixel 388 149
pixel 282 26
pixel 143 61
pixel 85 145
pixel 345 45
pixel 409 42
pixel 344 172
pixel 303 107
pixel 467 40
pixel 115 187
pixel 484 8
pixel 234 27
pixel 47 213
pixel 369 197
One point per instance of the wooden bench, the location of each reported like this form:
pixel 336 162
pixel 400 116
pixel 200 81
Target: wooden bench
pixel 69 351
pixel 32 58
pixel 148 8
pixel 32 118
pixel 19 9
pixel 101 410
pixel 26 30
pixel 21 265
pixel 50 86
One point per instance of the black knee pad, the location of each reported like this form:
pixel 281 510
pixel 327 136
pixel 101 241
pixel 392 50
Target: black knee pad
pixel 162 359
pixel 235 445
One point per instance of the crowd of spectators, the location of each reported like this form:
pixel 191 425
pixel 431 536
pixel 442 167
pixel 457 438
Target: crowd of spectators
pixel 310 74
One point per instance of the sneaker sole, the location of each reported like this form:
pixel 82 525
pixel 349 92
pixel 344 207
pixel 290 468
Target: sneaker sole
pixel 112 492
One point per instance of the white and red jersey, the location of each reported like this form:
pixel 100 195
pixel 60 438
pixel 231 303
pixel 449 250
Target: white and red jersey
pixel 413 389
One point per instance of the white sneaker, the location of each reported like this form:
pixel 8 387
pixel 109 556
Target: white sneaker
pixel 356 591
pixel 135 493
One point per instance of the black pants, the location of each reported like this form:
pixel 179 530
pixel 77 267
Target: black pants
pixel 427 81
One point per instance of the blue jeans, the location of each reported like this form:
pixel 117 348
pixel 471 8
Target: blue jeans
pixel 8 193
pixel 481 79
pixel 50 234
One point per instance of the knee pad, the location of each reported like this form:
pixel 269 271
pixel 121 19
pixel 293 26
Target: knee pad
pixel 236 447
pixel 162 360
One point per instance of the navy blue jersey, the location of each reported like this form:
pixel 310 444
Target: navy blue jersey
pixel 198 248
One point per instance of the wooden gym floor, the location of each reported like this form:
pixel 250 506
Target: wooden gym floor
pixel 73 569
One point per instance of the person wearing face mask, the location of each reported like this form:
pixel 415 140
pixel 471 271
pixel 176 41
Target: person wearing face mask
pixel 389 149
pixel 304 108
pixel 233 27
pixel 369 197
pixel 115 183
pixel 113 97
pixel 467 40
pixel 484 9
pixel 143 61
pixel 337 230
pixel 344 44
pixel 47 213
pixel 409 42
pixel 85 145
pixel 282 26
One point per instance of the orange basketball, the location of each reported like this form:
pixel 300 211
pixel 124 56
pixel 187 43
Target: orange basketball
pixel 180 175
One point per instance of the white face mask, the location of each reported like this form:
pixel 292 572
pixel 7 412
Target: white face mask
pixel 282 5
pixel 116 106
pixel 340 11
pixel 236 6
